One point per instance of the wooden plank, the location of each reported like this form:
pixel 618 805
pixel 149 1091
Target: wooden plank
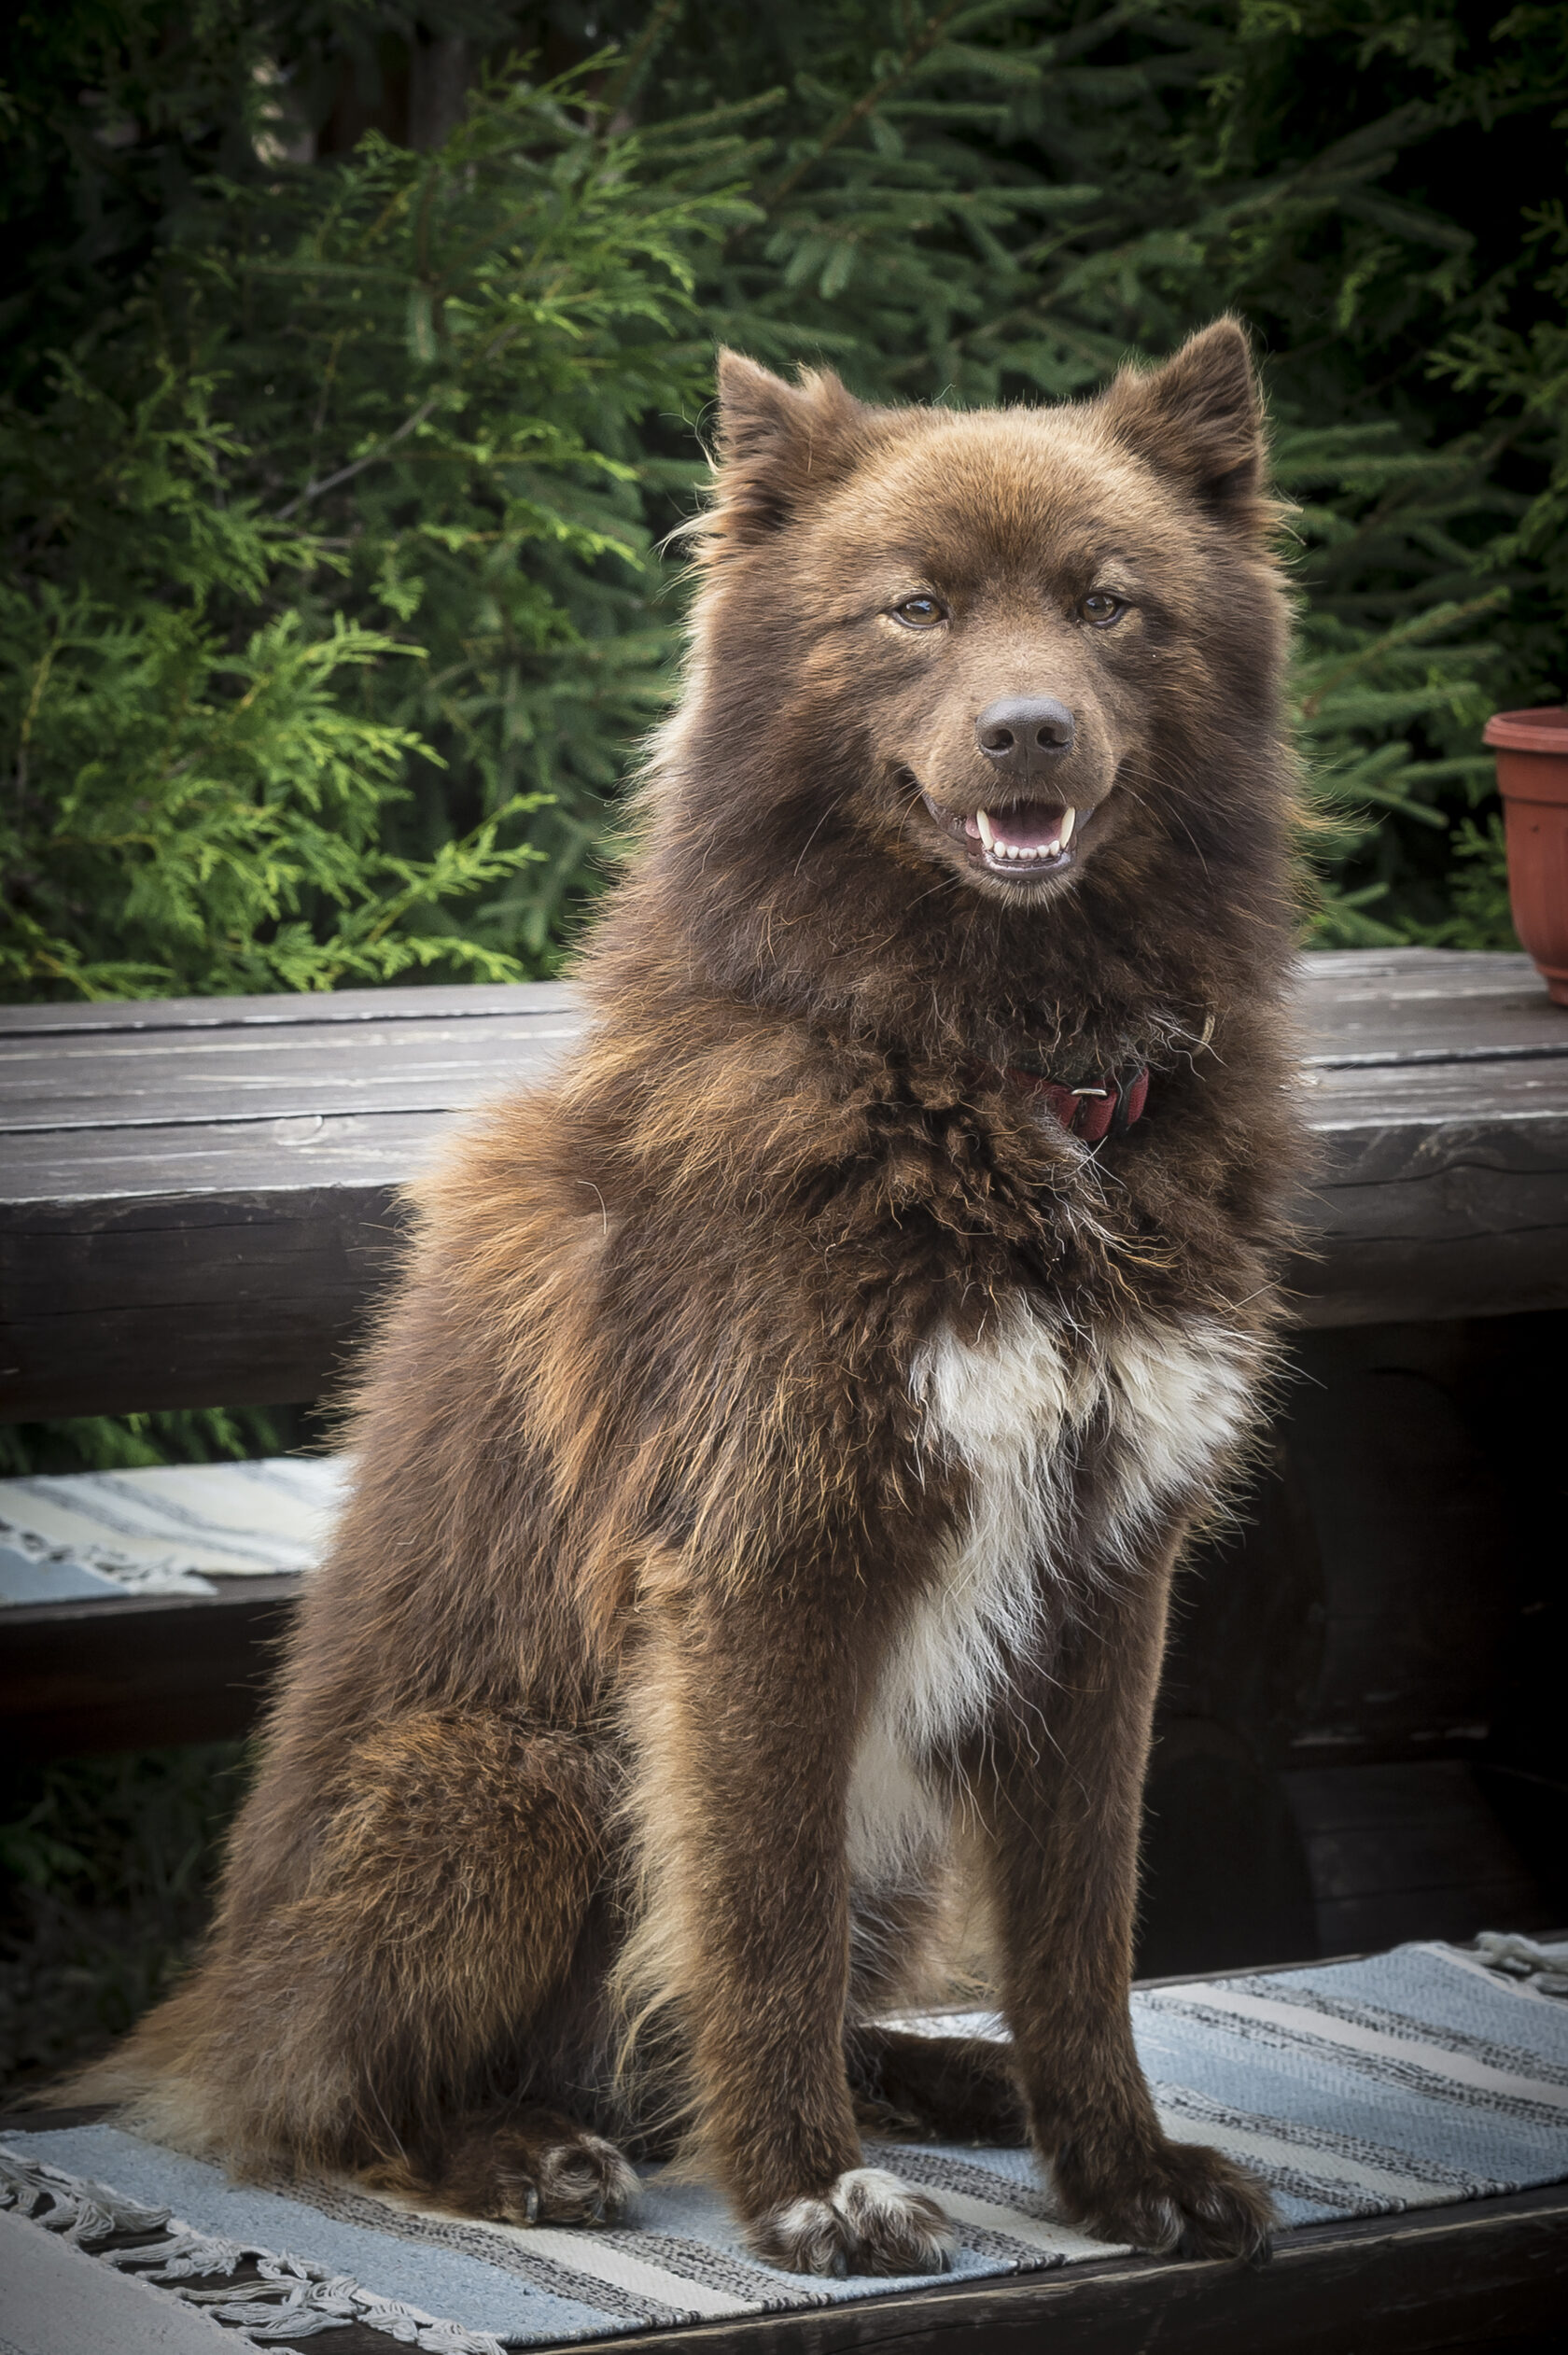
pixel 1427 1005
pixel 1403 1851
pixel 1358 1104
pixel 198 1199
pixel 115 1673
pixel 1370 978
pixel 431 1055
pixel 1373 967
pixel 164 1079
pixel 1378 976
pixel 239 1298
pixel 463 1001
pixel 1427 1205
pixel 1374 1127
pixel 83 1173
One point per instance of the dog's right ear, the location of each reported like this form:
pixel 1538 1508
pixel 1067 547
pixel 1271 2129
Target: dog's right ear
pixel 1199 418
pixel 778 446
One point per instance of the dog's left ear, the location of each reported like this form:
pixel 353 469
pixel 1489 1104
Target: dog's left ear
pixel 1201 419
pixel 778 447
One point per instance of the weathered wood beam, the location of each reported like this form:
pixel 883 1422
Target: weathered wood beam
pixel 113 1672
pixel 199 1198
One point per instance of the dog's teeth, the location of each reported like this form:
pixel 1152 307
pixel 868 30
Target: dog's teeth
pixel 1027 851
pixel 1070 819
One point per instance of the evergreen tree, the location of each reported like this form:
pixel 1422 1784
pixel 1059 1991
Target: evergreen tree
pixel 330 565
pixel 422 405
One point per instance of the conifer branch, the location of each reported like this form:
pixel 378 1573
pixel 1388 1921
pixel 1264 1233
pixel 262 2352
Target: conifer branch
pixel 372 458
pixel 622 84
pixel 866 105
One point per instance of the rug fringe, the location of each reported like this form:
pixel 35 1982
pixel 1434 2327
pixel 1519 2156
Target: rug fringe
pixel 1545 1967
pixel 291 2299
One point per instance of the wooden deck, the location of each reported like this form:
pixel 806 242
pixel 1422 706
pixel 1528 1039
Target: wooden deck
pixel 199 1196
pixel 197 1200
pixel 1490 2274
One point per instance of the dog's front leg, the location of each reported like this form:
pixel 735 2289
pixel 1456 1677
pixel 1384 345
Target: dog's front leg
pixel 746 1716
pixel 1063 1806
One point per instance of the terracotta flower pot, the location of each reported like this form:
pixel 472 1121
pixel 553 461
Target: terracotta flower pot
pixel 1531 750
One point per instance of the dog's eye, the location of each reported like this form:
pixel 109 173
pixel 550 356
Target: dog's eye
pixel 1100 608
pixel 919 613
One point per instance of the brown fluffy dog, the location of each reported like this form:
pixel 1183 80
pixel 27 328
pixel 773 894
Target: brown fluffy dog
pixel 770 1469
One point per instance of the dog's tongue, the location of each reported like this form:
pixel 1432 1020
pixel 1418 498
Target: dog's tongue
pixel 1026 826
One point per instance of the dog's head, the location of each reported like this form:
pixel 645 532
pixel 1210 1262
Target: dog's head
pixel 1010 647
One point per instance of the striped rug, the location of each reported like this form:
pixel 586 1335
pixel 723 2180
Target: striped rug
pixel 167 1529
pixel 1410 2079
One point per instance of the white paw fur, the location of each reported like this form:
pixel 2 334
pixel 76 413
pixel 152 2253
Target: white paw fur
pixel 589 2176
pixel 869 2221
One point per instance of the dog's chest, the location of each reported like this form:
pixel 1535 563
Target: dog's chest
pixel 1019 1411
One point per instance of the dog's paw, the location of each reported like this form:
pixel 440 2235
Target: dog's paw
pixel 584 2180
pixel 1179 2199
pixel 868 2221
pixel 939 2088
pixel 546 2171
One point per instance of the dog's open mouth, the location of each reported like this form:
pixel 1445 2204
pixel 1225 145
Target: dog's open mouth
pixel 1021 842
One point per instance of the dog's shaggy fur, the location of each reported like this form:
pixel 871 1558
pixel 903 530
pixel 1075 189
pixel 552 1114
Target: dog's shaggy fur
pixel 770 1472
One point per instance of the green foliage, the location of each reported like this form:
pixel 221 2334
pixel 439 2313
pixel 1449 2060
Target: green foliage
pixel 1478 913
pixel 105 1876
pixel 329 566
pixel 333 616
pixel 455 351
pixel 1516 355
pixel 121 1443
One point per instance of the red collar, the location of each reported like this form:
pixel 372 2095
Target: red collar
pixel 1087 1113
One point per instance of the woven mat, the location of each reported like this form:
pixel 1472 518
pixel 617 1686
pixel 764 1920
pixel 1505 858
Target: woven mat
pixel 165 1529
pixel 1413 2078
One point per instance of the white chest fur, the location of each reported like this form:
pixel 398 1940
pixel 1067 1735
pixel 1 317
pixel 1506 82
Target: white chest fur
pixel 1014 1408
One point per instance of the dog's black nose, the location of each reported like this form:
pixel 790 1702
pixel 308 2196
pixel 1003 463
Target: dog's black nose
pixel 1021 734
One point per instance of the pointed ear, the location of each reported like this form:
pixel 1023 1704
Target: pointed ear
pixel 777 447
pixel 1199 418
